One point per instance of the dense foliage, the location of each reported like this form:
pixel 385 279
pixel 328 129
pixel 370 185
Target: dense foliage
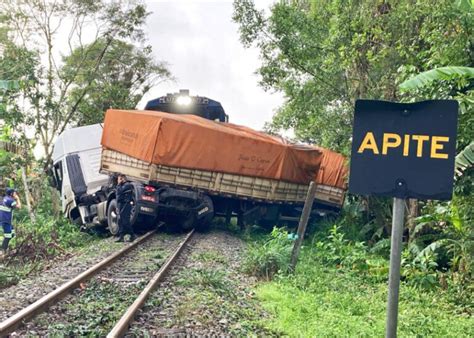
pixel 125 74
pixel 62 64
pixel 73 59
pixel 323 55
pixel 40 240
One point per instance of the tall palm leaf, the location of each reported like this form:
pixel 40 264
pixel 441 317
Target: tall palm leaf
pixel 437 74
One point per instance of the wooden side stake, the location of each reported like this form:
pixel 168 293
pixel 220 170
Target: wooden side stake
pixel 308 204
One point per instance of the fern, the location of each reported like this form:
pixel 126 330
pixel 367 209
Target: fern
pixel 380 246
pixel 419 227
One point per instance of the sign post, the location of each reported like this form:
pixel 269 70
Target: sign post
pixel 403 150
pixel 394 273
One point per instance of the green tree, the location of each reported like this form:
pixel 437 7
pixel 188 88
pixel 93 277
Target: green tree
pixel 66 91
pixel 125 74
pixel 323 55
pixel 17 74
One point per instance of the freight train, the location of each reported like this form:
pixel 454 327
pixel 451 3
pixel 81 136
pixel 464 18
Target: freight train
pixel 183 176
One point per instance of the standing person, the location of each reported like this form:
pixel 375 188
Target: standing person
pixel 124 205
pixel 9 202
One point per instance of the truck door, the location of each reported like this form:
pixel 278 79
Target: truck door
pixel 61 180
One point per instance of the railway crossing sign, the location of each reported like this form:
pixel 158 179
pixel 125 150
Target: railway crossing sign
pixel 403 150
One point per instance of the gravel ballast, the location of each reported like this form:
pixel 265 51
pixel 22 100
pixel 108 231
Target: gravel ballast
pixel 204 294
pixel 28 290
pixel 94 307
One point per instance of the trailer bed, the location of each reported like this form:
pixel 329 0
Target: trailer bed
pixel 217 183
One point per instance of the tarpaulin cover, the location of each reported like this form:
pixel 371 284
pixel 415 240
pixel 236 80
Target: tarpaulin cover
pixel 188 141
pixel 333 170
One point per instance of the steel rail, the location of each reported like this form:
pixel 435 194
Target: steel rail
pixel 12 323
pixel 123 324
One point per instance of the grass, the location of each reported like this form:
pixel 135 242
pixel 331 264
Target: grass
pixel 214 297
pixel 332 294
pixel 206 305
pixel 211 256
pixel 211 278
pixel 37 245
pixel 319 302
pixel 13 268
pixel 144 258
pixel 10 275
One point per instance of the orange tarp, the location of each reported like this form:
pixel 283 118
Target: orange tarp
pixel 188 141
pixel 333 170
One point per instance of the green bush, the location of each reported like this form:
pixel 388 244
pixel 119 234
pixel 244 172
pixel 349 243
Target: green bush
pixel 44 239
pixel 267 259
pixel 211 278
pixel 421 271
pixel 336 250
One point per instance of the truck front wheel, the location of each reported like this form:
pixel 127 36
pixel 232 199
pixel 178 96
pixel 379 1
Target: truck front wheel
pixel 112 217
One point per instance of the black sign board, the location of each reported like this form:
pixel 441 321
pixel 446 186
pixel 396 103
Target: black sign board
pixel 404 149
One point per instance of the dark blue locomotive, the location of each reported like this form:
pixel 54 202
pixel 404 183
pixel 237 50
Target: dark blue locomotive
pixel 183 103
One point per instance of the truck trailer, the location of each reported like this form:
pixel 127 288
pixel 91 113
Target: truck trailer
pixel 219 169
pixel 187 169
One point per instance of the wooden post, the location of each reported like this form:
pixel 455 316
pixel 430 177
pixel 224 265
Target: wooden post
pixel 308 204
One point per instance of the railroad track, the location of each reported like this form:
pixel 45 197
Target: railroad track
pixel 131 266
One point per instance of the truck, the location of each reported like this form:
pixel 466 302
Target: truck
pixel 190 195
pixel 87 195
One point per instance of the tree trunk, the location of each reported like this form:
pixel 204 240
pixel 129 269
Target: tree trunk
pixel 56 202
pixel 27 194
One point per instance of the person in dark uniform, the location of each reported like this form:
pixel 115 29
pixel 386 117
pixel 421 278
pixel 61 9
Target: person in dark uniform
pixel 9 202
pixel 124 205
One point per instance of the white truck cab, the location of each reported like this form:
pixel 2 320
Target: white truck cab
pixel 76 164
pixel 87 196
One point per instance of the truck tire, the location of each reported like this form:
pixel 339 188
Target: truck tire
pixel 145 223
pixel 188 222
pixel 204 224
pixel 112 217
pixel 191 221
pixel 134 215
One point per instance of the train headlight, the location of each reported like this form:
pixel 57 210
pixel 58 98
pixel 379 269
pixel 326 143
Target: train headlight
pixel 183 100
